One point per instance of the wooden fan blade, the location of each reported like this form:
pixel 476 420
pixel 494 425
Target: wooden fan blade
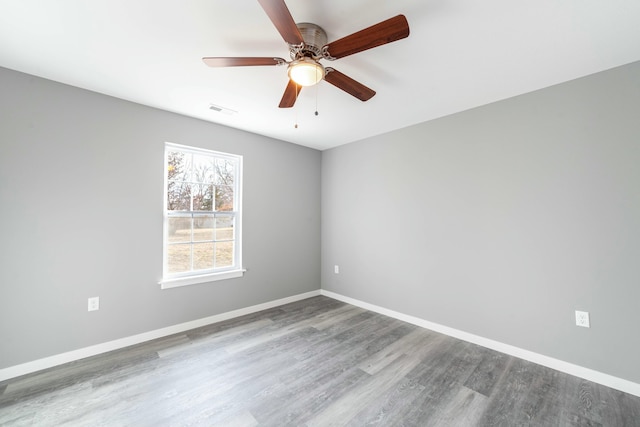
pixel 241 62
pixel 384 32
pixel 279 14
pixel 290 95
pixel 348 85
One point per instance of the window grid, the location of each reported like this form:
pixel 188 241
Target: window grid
pixel 193 239
pixel 202 200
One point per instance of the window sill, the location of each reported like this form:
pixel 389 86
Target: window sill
pixel 204 278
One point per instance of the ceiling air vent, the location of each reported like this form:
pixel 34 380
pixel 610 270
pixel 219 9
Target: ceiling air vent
pixel 222 110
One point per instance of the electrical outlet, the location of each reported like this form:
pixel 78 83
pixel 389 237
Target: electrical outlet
pixel 336 269
pixel 93 304
pixel 582 319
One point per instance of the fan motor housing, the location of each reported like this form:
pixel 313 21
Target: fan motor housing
pixel 314 39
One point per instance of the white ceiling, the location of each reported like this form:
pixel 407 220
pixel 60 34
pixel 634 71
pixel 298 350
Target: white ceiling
pixel 460 54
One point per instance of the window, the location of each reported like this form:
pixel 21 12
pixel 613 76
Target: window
pixel 202 220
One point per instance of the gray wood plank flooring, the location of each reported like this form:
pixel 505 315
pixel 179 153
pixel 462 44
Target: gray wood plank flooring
pixel 317 362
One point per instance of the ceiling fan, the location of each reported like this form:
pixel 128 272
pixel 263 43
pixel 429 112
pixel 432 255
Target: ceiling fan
pixel 308 45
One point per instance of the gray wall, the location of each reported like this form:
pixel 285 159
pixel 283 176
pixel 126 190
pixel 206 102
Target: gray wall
pixel 81 178
pixel 501 221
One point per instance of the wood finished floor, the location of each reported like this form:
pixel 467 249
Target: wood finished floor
pixel 316 362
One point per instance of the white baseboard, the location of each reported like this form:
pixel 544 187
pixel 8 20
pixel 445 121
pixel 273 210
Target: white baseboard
pixel 59 359
pixel 559 365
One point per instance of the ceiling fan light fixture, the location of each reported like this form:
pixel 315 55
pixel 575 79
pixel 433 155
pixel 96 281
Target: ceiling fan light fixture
pixel 306 71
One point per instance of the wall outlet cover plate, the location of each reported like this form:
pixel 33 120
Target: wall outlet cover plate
pixel 582 319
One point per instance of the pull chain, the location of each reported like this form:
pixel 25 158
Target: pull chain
pixel 317 92
pixel 296 109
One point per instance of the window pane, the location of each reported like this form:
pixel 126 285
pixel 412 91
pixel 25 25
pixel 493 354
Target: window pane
pixel 224 198
pixel 178 196
pixel 203 227
pixel 203 169
pixel 178 258
pixel 179 229
pixel 224 228
pixel 202 197
pixel 202 256
pixel 178 166
pixel 225 172
pixel 224 254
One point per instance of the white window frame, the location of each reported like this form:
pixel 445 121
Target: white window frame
pixel 203 276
